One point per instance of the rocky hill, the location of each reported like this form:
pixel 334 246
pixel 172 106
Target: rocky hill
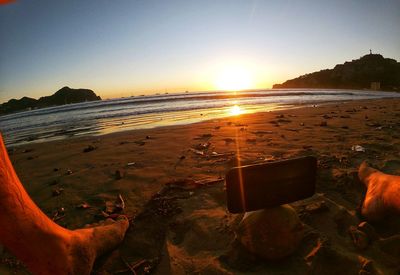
pixel 63 96
pixel 357 74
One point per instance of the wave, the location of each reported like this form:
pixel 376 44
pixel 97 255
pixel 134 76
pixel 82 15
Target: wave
pixel 154 99
pixel 144 111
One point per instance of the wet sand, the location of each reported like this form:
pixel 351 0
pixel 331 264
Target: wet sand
pixel 172 182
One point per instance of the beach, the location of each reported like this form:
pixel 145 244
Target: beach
pixel 172 182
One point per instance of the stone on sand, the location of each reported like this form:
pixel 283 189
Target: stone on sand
pixel 272 233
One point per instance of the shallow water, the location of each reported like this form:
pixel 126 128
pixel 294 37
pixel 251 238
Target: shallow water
pixel 108 116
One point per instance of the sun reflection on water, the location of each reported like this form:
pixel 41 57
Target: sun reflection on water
pixel 235 110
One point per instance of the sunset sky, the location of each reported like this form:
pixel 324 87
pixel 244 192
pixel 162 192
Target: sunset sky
pixel 127 47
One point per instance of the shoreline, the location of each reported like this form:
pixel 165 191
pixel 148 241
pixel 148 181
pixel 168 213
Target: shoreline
pixel 274 108
pixel 128 114
pixel 172 182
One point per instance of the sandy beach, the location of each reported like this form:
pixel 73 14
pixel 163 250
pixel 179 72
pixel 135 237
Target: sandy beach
pixel 172 182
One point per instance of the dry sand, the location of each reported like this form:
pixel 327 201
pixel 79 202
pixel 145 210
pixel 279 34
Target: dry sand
pixel 174 189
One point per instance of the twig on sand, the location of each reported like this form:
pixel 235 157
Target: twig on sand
pixel 129 266
pixel 189 184
pixel 59 214
pixel 120 204
pixel 136 265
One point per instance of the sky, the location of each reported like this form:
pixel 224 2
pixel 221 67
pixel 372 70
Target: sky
pixel 133 47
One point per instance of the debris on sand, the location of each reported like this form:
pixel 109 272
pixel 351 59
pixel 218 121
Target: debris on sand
pixel 221 155
pixel 197 152
pixel 120 203
pixel 268 158
pixel 117 206
pixel 202 146
pixel 367 266
pixel 89 148
pixel 357 148
pixel 374 124
pixel 109 216
pixel 110 207
pixel 131 164
pixel 142 266
pixel 360 239
pixel 190 184
pixel 140 143
pixel 83 205
pixel 206 135
pixel 118 175
pixel 323 124
pixel 228 140
pixel 368 230
pixel 316 207
pixel 58 214
pixel 69 172
pixel 57 191
pixel 261 133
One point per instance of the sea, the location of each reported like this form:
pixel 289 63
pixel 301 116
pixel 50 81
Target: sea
pixel 141 112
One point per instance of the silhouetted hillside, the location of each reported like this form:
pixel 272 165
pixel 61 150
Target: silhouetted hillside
pixel 357 74
pixel 63 96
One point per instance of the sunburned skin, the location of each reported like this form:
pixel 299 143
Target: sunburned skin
pixel 44 246
pixel 383 193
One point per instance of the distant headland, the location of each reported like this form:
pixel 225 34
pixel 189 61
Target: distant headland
pixel 63 96
pixel 372 71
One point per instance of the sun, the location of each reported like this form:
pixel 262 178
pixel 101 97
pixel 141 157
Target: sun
pixel 234 79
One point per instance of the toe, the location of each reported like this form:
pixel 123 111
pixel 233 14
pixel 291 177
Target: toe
pixel 364 171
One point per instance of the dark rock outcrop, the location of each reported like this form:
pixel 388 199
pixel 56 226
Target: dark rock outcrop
pixel 357 74
pixel 63 96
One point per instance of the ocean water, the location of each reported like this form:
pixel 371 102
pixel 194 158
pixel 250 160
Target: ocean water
pixel 107 116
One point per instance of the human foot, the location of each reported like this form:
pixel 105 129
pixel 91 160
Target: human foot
pixel 383 193
pixel 75 251
pixel 89 243
pixel 44 246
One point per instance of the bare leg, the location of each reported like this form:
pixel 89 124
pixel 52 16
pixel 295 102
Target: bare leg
pixel 383 193
pixel 44 246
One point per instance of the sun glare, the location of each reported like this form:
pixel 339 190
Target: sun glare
pixel 235 110
pixel 234 79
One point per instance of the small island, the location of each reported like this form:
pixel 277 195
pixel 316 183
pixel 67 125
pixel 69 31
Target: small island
pixel 371 71
pixel 65 95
